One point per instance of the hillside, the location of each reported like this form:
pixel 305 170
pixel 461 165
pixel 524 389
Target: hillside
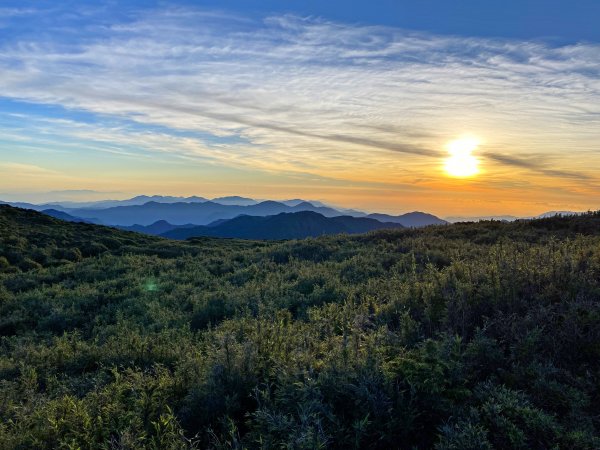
pixel 58 214
pixel 30 240
pixel 64 216
pixel 466 336
pixel 282 226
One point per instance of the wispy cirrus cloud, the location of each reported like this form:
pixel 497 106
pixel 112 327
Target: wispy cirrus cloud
pixel 26 169
pixel 537 163
pixel 312 96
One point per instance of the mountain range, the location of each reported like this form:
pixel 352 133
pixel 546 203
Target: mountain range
pixel 415 219
pixel 142 199
pixel 146 210
pixel 196 213
pixel 231 216
pixel 237 216
pixel 296 225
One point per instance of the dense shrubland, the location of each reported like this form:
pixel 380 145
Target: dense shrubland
pixel 471 336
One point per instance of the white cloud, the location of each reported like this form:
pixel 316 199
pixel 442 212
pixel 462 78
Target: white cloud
pixel 312 96
pixel 25 170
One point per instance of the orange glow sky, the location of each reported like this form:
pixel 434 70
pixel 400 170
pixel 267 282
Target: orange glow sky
pixel 293 107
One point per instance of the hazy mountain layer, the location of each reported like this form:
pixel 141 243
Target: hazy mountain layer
pixel 411 220
pixel 283 226
pixel 145 210
pixel 196 213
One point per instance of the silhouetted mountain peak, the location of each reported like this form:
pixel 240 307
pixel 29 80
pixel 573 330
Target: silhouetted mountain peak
pixel 413 219
pixel 304 204
pixel 235 200
pixel 270 203
pixel 285 225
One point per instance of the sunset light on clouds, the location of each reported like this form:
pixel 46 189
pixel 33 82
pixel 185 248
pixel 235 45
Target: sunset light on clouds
pixel 184 100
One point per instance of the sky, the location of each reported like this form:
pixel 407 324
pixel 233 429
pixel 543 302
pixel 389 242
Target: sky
pixel 355 103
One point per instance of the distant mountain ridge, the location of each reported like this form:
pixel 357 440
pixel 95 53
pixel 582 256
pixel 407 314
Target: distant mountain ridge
pixel 33 206
pixel 156 229
pixel 103 204
pixel 138 200
pixel 66 217
pixel 140 213
pixel 206 212
pixel 412 220
pixel 296 225
pixel 185 213
pixel 236 200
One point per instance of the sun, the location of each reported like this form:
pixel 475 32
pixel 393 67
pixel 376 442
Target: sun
pixel 461 163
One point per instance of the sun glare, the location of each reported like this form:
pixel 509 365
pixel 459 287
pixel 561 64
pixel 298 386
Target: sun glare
pixel 461 163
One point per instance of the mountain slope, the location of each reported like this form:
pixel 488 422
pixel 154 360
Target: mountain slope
pixel 31 240
pixel 157 228
pixel 32 206
pixel 414 219
pixel 66 217
pixel 283 226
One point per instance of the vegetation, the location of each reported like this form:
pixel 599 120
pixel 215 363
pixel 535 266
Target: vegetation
pixel 470 336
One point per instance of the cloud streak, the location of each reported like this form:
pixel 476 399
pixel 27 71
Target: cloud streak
pixel 311 96
pixel 536 166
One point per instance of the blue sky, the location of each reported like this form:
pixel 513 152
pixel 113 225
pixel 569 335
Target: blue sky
pixel 560 20
pixel 349 102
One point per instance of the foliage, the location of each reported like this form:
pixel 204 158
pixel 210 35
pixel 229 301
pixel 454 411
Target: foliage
pixel 470 336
